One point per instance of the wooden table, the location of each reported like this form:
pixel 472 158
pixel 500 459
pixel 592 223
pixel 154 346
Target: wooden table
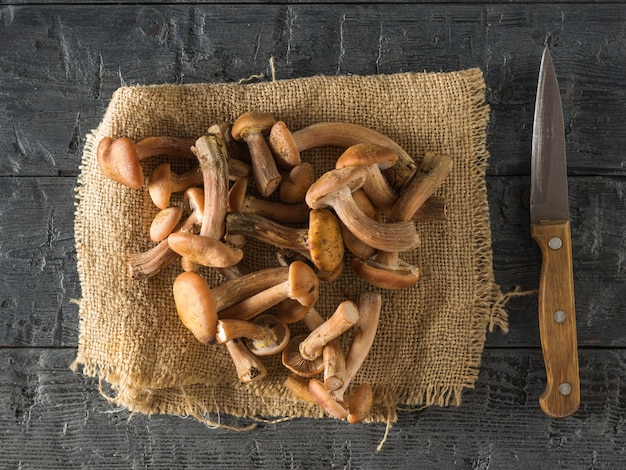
pixel 59 65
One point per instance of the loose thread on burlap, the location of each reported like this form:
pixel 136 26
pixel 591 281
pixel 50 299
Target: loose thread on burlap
pixel 260 76
pixel 205 418
pixel 386 435
pixel 499 306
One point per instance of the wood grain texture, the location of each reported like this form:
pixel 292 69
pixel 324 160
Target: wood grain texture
pixel 60 64
pixel 52 418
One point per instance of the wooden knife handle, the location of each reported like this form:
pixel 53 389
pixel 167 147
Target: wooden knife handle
pixel 557 319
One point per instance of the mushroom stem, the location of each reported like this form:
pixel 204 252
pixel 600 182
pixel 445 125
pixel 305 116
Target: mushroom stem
pixel 364 333
pixel 345 134
pixel 213 158
pixel 360 403
pixel 249 368
pixel 302 284
pixel 203 250
pixel 285 213
pixel 164 182
pixel 431 173
pixel 299 386
pixel 345 317
pixel 323 398
pixel 293 188
pixel 332 354
pixel 228 329
pixel 322 239
pixel 237 289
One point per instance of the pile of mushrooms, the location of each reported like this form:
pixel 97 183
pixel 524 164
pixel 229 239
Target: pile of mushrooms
pixel 251 182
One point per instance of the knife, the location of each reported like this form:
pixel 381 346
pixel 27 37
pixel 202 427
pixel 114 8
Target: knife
pixel 550 228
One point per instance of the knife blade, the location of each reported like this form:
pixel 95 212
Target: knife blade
pixel 550 228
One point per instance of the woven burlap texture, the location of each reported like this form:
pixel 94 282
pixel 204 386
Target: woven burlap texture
pixel 430 339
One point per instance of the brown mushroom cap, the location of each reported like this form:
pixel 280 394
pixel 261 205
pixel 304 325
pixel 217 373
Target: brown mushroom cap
pixel 195 306
pixel 303 284
pixel 204 250
pixel 293 188
pixel 252 122
pixel 118 160
pixel 160 185
pixel 278 340
pixel 398 276
pixel 164 223
pixel 367 154
pixel 293 360
pixel 325 241
pixel 360 403
pixel 283 146
pixel 334 180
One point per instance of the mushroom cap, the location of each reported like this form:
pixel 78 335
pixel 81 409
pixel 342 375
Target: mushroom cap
pixel 384 276
pixel 280 336
pixel 303 283
pixel 252 122
pixel 204 250
pixel 118 160
pixel 195 306
pixel 283 146
pixel 367 154
pixel 164 223
pixel 193 202
pixel 325 241
pixel 293 360
pixel 291 311
pixel 351 177
pixel 360 403
pixel 160 185
pixel 293 188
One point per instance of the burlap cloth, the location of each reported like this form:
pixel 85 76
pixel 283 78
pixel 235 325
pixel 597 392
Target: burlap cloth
pixel 430 339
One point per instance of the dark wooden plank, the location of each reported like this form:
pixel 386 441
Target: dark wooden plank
pixel 39 278
pixel 38 262
pixel 62 64
pixel 52 418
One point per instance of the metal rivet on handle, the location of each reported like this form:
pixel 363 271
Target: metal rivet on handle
pixel 559 316
pixel 565 388
pixel 555 243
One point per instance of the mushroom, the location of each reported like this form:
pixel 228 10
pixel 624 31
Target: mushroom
pixel 240 201
pixel 266 335
pixel 375 158
pixel 236 289
pixel 283 146
pixel 387 270
pixel 431 174
pixel 302 284
pixel 294 186
pixel 120 159
pixel 299 386
pixel 164 223
pixel 195 306
pixel 151 262
pixel 332 353
pixel 236 150
pixel 204 251
pixel 363 337
pixel 353 243
pixel 345 134
pixel 345 317
pixel 334 188
pixel 321 240
pixel 293 360
pixel 360 403
pixel 248 366
pixel 164 182
pixel 250 127
pixel 323 398
pixel 213 158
